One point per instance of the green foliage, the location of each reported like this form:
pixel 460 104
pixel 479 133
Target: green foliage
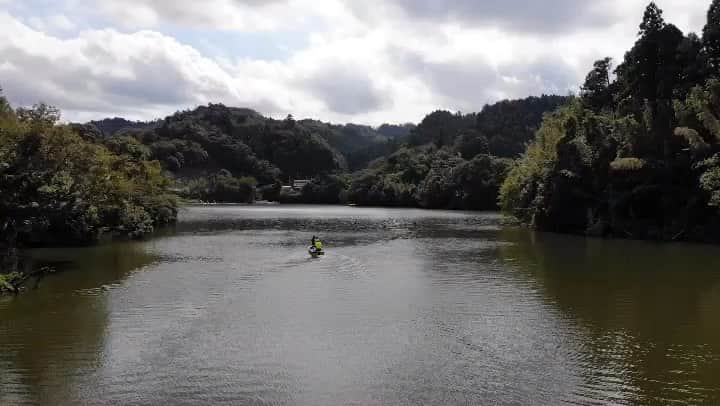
pixel 596 92
pixel 471 143
pixel 652 21
pixel 223 187
pixel 646 166
pixel 9 282
pixel 128 146
pixel 195 145
pixel 438 190
pixel 393 131
pixel 479 180
pixel 392 181
pixel 360 144
pixel 56 187
pixel 627 164
pixel 519 193
pixel 431 178
pixel 453 160
pixel 693 138
pixel 5 108
pixel 38 117
pixel 711 39
pixel 135 221
pixel 119 126
pixel 510 125
pixel 325 189
pixel 656 65
pixel 710 182
pixel 440 128
pixel 702 108
pixel 199 143
pixel 692 65
pixel 216 137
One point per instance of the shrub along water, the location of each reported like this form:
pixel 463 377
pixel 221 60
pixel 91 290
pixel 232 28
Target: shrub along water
pixel 58 188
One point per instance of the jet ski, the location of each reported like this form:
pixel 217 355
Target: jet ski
pixel 315 252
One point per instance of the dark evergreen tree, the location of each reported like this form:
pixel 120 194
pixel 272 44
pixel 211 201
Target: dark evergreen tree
pixel 596 92
pixel 653 20
pixel 691 60
pixel 647 167
pixel 510 124
pixel 711 39
pixel 471 143
pixel 439 127
pixel 637 73
pixel 670 65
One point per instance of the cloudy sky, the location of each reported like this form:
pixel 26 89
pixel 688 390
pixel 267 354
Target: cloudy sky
pixel 365 61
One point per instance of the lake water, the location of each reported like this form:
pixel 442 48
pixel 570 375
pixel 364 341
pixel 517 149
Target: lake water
pixel 408 307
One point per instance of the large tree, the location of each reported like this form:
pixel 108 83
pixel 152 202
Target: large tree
pixel 693 69
pixel 596 92
pixel 711 38
pixel 637 73
pixel 653 20
pixel 646 167
pixel 57 187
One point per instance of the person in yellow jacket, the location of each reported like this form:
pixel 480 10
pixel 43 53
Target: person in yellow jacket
pixel 315 242
pixel 316 246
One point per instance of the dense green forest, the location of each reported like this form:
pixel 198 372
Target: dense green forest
pixel 58 188
pixel 637 155
pixel 223 154
pixel 451 160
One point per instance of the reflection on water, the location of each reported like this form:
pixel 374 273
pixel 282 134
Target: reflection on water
pixel 408 306
pixel 650 311
pixel 53 332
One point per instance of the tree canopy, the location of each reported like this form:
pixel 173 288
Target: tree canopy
pixel 634 157
pixel 57 187
pixel 452 160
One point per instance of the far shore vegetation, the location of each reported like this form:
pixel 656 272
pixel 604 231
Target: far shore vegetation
pixel 635 155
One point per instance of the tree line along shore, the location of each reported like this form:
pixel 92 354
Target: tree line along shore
pixel 635 155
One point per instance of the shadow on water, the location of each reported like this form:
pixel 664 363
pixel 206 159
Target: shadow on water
pixel 53 334
pixel 650 309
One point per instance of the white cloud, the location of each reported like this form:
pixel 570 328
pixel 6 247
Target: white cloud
pixel 241 15
pixel 383 62
pixel 53 23
pixel 536 17
pixel 143 74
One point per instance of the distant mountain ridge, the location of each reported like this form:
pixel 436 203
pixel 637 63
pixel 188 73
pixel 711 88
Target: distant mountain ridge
pixel 217 152
pixel 358 144
pixel 110 126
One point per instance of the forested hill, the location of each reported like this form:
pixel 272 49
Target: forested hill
pixel 360 144
pixel 221 153
pixel 336 146
pixel 244 142
pixel 510 125
pixel 452 160
pixel 506 126
pixel 110 126
pixel 637 156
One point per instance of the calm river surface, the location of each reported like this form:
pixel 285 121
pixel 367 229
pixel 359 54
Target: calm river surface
pixel 408 307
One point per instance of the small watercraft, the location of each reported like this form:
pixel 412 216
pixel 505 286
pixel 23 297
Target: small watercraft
pixel 315 252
